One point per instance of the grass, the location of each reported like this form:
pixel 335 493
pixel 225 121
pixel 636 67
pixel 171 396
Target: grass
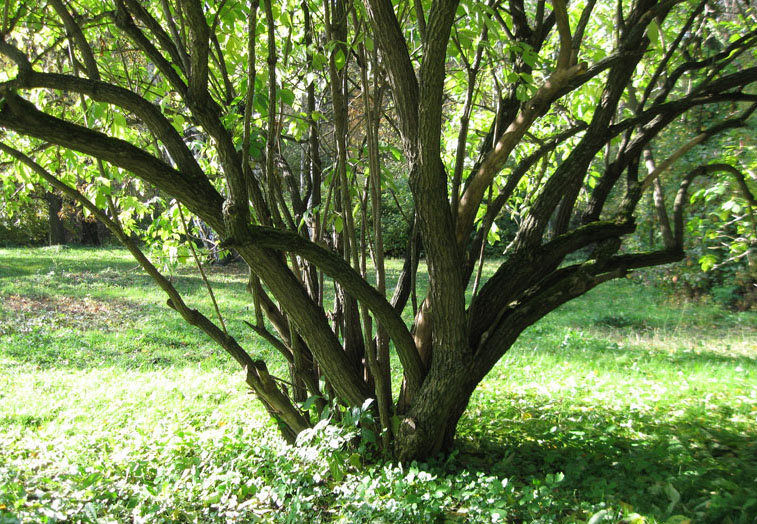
pixel 620 406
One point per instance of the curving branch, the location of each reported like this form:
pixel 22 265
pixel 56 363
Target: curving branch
pixel 75 32
pixel 740 45
pixel 15 54
pixel 697 140
pixel 563 29
pixel 196 192
pixel 669 53
pixel 704 170
pixel 146 111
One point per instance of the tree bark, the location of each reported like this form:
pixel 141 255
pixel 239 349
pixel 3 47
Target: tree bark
pixel 57 233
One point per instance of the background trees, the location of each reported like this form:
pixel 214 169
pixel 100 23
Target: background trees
pixel 280 127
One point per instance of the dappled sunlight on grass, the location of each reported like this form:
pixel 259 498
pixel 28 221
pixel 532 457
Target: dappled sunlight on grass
pixel 617 405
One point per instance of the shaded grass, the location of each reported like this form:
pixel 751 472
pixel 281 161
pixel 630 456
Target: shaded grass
pixel 618 405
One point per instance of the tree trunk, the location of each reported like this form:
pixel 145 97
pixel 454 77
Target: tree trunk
pixel 429 426
pixel 57 234
pixel 90 236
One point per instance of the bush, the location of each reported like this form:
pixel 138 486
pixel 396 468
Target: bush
pixel 27 225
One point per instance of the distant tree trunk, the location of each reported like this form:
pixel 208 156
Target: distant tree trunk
pixel 56 234
pixel 90 235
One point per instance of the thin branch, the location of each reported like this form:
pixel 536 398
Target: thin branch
pixel 699 139
pixel 202 271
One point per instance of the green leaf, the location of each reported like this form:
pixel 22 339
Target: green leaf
pixel 396 153
pixel 119 123
pixel 319 61
pixel 310 402
pixel 521 93
pixel 339 59
pixel 100 199
pixel 97 110
pixel 707 262
pixel 286 96
pixel 653 33
pixel 260 103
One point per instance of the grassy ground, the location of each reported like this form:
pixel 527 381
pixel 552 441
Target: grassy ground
pixel 620 405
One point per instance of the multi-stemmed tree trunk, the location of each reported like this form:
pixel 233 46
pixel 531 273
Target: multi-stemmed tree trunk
pixel 172 94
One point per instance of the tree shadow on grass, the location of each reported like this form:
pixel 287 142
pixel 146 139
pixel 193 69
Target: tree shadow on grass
pixel 655 464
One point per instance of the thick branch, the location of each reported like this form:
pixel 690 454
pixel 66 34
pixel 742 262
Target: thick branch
pixel 77 35
pixel 310 322
pixel 199 45
pixel 149 113
pixel 397 62
pixel 496 159
pixel 558 288
pixel 196 192
pixel 522 270
pixel 124 21
pixel 174 48
pixel 338 269
pixel 505 193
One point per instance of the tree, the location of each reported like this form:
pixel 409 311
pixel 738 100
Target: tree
pixel 540 111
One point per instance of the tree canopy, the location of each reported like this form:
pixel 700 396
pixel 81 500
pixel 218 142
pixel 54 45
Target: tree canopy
pixel 273 129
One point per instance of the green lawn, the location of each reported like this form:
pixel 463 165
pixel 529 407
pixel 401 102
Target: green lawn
pixel 620 405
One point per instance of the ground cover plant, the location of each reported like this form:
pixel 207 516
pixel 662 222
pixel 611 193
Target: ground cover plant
pixel 620 405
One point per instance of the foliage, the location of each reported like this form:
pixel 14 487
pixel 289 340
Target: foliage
pixel 617 406
pixel 396 220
